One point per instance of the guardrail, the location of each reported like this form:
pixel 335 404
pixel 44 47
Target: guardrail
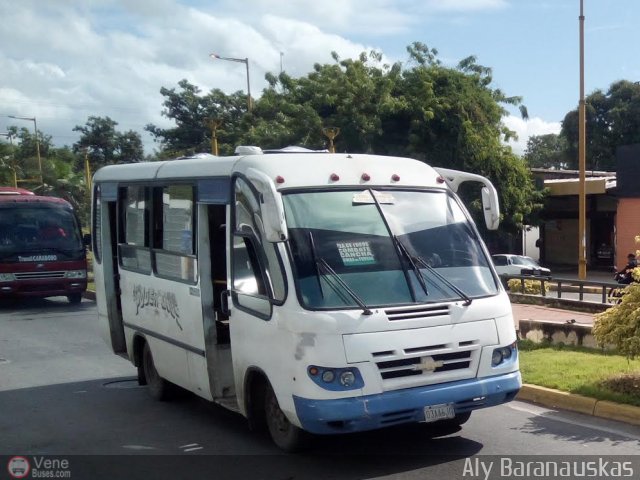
pixel 567 285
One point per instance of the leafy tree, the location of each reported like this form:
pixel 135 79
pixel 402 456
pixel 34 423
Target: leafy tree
pixel 613 119
pixel 547 151
pixel 105 145
pixel 450 117
pixel 192 113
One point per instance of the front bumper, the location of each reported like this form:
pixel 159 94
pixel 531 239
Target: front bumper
pixel 43 288
pixel 403 406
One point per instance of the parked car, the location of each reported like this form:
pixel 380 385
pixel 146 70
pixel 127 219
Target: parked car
pixel 519 265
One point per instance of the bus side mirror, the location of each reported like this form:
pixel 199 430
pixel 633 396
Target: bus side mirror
pixel 271 208
pixel 490 203
pixel 490 208
pixel 86 239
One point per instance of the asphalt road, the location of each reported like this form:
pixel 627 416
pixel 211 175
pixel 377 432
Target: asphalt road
pixel 62 392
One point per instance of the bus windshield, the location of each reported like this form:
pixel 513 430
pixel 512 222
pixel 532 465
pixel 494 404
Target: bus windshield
pixel 38 230
pixel 403 247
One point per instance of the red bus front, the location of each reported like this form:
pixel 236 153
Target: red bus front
pixel 42 253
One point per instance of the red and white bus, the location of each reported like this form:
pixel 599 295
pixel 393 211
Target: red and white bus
pixel 42 250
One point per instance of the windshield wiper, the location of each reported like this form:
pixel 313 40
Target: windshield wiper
pixel 421 278
pixel 322 265
pixel 464 296
pixel 405 253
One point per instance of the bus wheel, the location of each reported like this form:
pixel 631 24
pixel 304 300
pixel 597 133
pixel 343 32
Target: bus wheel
pixel 157 386
pixel 284 434
pixel 74 298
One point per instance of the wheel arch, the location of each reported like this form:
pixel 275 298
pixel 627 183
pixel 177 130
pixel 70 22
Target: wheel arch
pixel 254 388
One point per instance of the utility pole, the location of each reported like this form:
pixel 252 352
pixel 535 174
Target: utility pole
pixel 582 201
pixel 214 124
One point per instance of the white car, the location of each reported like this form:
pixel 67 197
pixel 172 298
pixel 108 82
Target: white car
pixel 519 265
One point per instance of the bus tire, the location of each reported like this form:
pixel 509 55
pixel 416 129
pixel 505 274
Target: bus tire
pixel 284 434
pixel 158 387
pixel 74 298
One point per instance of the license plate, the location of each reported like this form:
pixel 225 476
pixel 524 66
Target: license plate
pixel 433 413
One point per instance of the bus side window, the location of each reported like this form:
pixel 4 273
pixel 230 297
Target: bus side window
pixel 256 266
pixel 134 252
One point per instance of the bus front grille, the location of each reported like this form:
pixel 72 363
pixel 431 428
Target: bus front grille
pixel 415 313
pixel 38 275
pixel 431 365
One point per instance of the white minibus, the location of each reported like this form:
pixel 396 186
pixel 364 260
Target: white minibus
pixel 311 292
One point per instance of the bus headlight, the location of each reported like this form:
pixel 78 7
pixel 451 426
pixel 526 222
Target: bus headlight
pixel 347 378
pixel 75 274
pixel 7 277
pixel 335 379
pixel 502 354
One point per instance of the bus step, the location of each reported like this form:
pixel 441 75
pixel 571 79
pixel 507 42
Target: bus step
pixel 230 403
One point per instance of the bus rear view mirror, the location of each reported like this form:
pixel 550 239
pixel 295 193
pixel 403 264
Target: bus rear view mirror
pixel 86 239
pixel 490 208
pixel 490 203
pixel 271 208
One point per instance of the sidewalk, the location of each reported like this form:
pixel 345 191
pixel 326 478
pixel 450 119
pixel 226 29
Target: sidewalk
pixel 540 313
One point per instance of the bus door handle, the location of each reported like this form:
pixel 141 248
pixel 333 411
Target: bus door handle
pixel 224 302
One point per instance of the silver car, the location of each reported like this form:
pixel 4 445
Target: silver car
pixel 507 264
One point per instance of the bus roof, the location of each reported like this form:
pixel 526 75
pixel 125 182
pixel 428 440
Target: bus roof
pixel 26 199
pixel 15 191
pixel 295 169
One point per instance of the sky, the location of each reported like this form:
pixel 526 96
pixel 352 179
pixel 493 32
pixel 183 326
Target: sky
pixel 62 61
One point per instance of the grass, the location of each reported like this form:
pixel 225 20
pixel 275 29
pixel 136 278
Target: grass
pixel 584 371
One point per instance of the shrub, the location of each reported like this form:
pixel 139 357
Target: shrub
pixel 620 324
pixel 531 287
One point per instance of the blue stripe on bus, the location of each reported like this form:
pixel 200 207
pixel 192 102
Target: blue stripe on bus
pixel 403 406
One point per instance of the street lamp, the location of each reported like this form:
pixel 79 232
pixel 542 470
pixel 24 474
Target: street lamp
pixel 35 129
pixel 238 60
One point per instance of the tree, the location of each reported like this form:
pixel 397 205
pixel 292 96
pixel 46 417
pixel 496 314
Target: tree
pixel 105 145
pixel 192 113
pixel 449 117
pixel 613 119
pixel 547 151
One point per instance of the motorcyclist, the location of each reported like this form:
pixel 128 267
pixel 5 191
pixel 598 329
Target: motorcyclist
pixel 625 275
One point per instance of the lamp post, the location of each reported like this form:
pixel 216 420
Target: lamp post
pixel 238 60
pixel 35 129
pixel 582 207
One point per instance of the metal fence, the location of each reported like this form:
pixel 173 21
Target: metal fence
pixel 607 291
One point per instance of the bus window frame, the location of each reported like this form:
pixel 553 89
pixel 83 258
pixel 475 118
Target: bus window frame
pixel 193 257
pixel 260 255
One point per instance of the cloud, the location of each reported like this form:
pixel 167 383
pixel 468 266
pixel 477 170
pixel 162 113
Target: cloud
pixel 70 60
pixel 465 5
pixel 112 57
pixel 526 128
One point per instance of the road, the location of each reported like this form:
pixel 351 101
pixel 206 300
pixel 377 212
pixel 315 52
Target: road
pixel 62 392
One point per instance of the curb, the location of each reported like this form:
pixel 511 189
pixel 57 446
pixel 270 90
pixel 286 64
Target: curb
pixel 89 295
pixel 577 403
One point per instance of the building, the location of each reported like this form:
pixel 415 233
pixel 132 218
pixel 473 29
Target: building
pixel 612 211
